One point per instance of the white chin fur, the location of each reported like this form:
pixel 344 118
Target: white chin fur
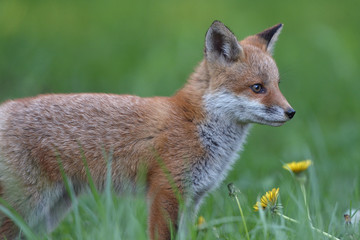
pixel 274 124
pixel 274 119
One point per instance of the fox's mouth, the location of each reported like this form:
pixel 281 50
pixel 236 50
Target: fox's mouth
pixel 275 123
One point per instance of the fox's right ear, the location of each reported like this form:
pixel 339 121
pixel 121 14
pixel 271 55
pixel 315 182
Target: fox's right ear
pixel 220 42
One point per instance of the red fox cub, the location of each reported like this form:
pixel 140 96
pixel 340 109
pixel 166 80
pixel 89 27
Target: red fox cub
pixel 191 138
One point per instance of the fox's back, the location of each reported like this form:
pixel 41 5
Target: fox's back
pixel 41 131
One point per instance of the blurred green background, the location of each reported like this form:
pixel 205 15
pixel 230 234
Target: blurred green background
pixel 149 48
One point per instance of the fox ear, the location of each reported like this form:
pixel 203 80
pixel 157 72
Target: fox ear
pixel 269 37
pixel 220 42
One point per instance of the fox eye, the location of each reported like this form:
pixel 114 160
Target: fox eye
pixel 258 88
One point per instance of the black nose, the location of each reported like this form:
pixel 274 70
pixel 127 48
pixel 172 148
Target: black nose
pixel 290 113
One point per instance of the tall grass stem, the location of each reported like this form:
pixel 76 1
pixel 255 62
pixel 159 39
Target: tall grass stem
pixel 242 217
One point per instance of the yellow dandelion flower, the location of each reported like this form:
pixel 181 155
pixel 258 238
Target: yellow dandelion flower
pixel 269 200
pixel 297 167
pixel 201 220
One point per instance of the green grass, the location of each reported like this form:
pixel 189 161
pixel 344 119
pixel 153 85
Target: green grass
pixel 150 48
pixel 107 216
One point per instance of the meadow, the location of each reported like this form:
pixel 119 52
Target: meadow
pixel 149 48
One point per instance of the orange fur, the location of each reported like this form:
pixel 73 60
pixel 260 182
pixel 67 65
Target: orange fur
pixel 186 142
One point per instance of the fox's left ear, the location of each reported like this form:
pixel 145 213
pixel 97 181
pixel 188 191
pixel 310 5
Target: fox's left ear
pixel 266 39
pixel 221 44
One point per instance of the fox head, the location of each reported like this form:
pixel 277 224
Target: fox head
pixel 244 79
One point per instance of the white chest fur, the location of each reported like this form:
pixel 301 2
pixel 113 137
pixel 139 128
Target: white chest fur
pixel 222 139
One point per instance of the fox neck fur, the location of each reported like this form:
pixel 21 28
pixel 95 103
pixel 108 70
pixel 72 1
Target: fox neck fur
pixel 221 137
